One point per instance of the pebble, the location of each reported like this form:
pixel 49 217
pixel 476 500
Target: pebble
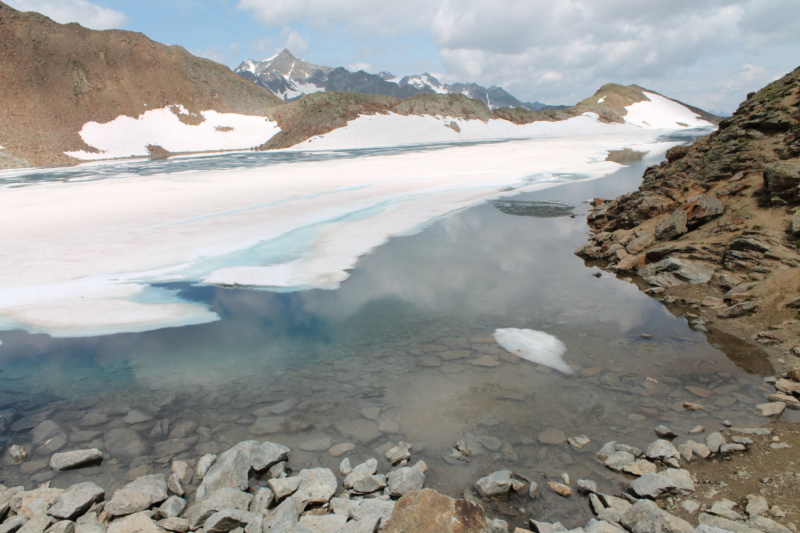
pixel 561 490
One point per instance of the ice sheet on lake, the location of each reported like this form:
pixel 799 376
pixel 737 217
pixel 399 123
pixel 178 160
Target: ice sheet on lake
pixel 535 346
pixel 80 257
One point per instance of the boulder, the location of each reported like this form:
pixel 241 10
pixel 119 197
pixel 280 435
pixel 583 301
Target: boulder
pixel 138 495
pixel 262 501
pixel 172 507
pixel 781 181
pixel 646 517
pixel 285 515
pixel 282 487
pixel 427 511
pixel 76 500
pixel 76 459
pixel 231 470
pixel 701 209
pixel 317 485
pixel 227 520
pixel 135 523
pixel 36 524
pixel 653 486
pixel 673 227
pixel 404 480
pixel 682 478
pixel 494 484
pixel 224 498
pixel 63 526
pixel 176 524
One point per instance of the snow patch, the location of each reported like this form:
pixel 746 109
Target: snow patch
pixel 662 113
pixel 603 99
pixel 535 346
pixel 129 137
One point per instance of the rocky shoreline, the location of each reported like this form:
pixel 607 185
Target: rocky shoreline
pixel 249 489
pixel 715 227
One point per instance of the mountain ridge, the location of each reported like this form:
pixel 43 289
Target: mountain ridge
pixel 280 75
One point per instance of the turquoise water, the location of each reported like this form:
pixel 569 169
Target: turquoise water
pixel 401 335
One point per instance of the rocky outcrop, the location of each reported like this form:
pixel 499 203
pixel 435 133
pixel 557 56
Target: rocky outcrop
pixel 718 214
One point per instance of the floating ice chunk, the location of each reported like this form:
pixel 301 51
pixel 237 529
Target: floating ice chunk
pixel 535 346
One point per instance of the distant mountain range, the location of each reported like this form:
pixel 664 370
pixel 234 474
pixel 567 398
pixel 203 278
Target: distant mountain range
pixel 290 78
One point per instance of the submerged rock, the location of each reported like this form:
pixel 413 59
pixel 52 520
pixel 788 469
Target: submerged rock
pixel 76 459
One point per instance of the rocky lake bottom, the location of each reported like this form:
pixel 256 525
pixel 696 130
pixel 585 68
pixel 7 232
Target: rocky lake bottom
pixel 403 351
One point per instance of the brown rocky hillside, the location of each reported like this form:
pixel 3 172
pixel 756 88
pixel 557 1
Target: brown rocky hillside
pixel 56 77
pixel 716 226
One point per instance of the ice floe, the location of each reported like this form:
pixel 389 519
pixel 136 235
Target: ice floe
pixel 81 257
pixel 128 137
pixel 535 346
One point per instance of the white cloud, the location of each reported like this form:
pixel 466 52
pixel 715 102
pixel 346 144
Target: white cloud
pixel 366 67
pixel 213 53
pixel 293 41
pixel 80 11
pixel 526 46
pixel 260 48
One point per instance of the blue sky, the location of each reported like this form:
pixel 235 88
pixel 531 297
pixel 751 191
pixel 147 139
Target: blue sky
pixel 708 53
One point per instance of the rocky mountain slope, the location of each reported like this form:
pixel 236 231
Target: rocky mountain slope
pixel 716 226
pixel 55 78
pixel 291 78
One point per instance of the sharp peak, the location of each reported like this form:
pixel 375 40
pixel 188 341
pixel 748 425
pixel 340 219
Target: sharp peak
pixel 285 53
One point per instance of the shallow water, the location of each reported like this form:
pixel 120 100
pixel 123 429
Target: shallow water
pixel 400 335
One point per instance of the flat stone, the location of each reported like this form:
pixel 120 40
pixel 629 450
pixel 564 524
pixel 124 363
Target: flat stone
pixel 62 526
pixel 13 524
pixel 486 361
pixel 492 444
pixel 494 484
pixel 730 448
pixel 283 518
pixel 653 486
pixel 176 524
pixel 76 459
pixel 45 430
pixel 452 368
pixel 587 486
pixel 76 500
pixel 690 506
pixel 138 495
pixel 429 361
pixel 724 524
pixel 767 525
pixel 268 454
pixel 618 460
pixel 389 426
pixel 546 527
pixel 183 430
pixel 341 449
pixel 724 508
pixel 756 505
pixel 266 425
pixel 283 487
pixel 770 409
pixel 317 445
pixel 579 441
pixel 283 407
pixel 452 355
pixel 317 485
pixel 715 441
pixel 601 526
pixel 371 413
pixel 331 523
pixel 135 416
pixel 552 436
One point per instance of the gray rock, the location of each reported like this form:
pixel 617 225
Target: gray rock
pixel 344 467
pixel 135 523
pixel 76 500
pixel 174 523
pixel 46 429
pixel 231 470
pixel 681 478
pixel 36 524
pixel 227 520
pixel 661 449
pixel 17 453
pixel 262 501
pixel 183 473
pixel 63 526
pixel 690 506
pixel 88 523
pixel 75 459
pixel 579 441
pixel 730 448
pixel 317 485
pixel 317 445
pixel 770 409
pixel 267 455
pixel 172 507
pixel 587 485
pixel 618 460
pixel 331 523
pixel 360 472
pixel 494 484
pixel 663 432
pixel 13 524
pixel 608 449
pixel 546 527
pixel 124 444
pixel 653 486
pixel 361 509
pixel 702 528
pixel 174 486
pixel 93 419
pixel 224 498
pixel 138 495
pixel 714 441
pixel 284 516
pixel 370 484
pixel 601 526
pixel 673 227
pixel 398 453
pixel 757 505
pixel 135 416
pixel 204 464
pixel 404 480
pixel 767 525
pixel 646 517
pixel 282 487
pixel 724 508
pixel 724 524
pixel 496 525
pixel 182 430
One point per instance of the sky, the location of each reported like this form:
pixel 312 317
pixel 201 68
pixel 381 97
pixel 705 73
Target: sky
pixel 709 53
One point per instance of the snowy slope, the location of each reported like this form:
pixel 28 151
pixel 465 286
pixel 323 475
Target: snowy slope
pixel 662 113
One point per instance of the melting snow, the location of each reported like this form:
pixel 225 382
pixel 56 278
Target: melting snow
pixel 662 113
pixel 535 346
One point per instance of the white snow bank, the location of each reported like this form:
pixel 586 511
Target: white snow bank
pixel 78 257
pixel 603 99
pixel 535 346
pixel 127 137
pixel 663 113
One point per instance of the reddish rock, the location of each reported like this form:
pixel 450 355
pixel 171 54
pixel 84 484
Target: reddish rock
pixel 794 374
pixel 631 262
pixel 427 511
pixel 701 209
pixel 561 490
